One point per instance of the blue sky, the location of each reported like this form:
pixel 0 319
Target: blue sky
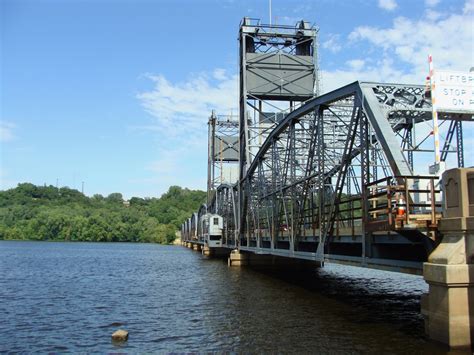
pixel 117 93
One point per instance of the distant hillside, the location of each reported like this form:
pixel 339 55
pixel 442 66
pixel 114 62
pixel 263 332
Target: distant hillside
pixel 32 212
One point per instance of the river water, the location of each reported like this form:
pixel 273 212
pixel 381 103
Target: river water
pixel 70 297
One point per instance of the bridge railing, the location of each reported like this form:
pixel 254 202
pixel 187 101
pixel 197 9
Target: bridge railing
pixel 349 216
pixel 403 202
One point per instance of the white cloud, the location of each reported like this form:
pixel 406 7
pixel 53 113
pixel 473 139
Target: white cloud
pixel 388 5
pixel 180 112
pixel 188 104
pixel 468 7
pixel 220 74
pixel 407 43
pixel 431 3
pixel 356 64
pixel 399 52
pixel 332 43
pixel 433 15
pixel 6 131
pixel 382 70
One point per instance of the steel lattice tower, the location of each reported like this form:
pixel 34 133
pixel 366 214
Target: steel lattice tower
pixel 278 71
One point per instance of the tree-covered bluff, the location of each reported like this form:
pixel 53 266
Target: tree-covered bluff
pixel 32 212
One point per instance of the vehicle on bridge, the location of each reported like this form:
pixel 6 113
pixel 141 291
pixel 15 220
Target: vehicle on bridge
pixel 212 225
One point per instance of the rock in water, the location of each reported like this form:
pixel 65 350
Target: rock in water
pixel 120 335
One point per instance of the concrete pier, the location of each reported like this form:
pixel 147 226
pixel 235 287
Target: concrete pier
pixel 206 251
pixel 219 252
pixel 237 258
pixel 448 308
pixel 270 262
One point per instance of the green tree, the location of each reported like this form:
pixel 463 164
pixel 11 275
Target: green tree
pixel 114 197
pixel 46 213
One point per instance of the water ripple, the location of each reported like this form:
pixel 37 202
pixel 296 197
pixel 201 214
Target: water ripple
pixel 70 297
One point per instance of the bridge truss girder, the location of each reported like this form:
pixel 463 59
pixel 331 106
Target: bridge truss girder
pixel 306 188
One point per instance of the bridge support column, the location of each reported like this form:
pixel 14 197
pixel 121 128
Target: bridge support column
pixel 197 247
pixel 270 262
pixel 189 245
pixel 206 251
pixel 448 308
pixel 217 252
pixel 237 258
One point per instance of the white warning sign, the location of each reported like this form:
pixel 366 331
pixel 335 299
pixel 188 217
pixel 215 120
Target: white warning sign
pixel 454 91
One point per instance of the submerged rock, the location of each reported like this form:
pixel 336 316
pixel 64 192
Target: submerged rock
pixel 120 335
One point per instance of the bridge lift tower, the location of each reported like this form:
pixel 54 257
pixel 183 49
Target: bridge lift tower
pixel 278 72
pixel 223 153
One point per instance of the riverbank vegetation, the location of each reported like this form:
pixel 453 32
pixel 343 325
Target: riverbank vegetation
pixel 30 212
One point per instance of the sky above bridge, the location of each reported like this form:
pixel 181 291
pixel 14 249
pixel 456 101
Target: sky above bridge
pixel 116 94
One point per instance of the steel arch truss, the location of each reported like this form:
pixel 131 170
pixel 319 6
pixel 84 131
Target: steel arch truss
pixel 324 182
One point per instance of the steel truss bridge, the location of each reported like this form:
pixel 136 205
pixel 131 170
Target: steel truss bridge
pixel 324 183
pixel 328 177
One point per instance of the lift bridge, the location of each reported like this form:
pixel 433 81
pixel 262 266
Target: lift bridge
pixel 339 177
pixel 300 178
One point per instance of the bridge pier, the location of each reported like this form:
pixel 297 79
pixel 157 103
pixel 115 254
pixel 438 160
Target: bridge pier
pixel 448 308
pixel 197 247
pixel 206 251
pixel 237 258
pixel 270 262
pixel 215 252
